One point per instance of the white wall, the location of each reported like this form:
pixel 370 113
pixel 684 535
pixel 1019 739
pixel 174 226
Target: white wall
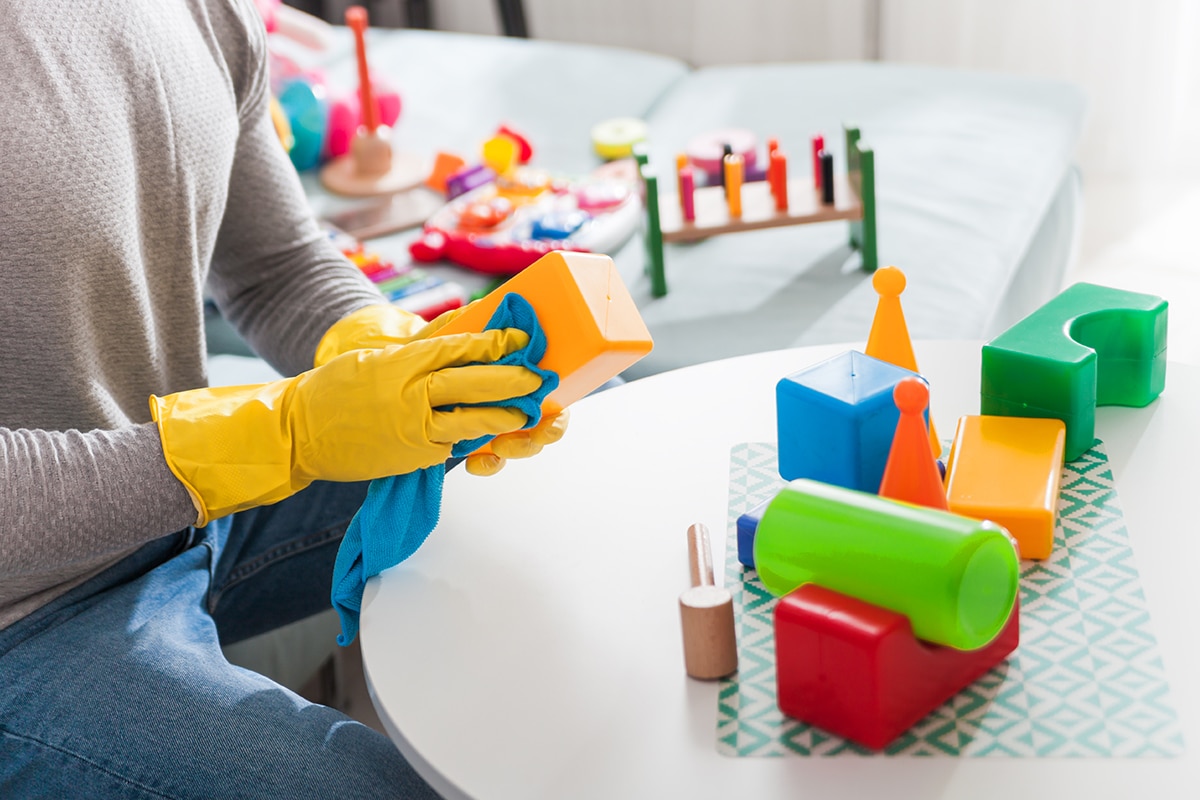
pixel 1136 59
pixel 700 32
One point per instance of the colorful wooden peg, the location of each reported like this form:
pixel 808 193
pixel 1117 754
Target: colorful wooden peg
pixel 706 611
pixel 779 185
pixel 827 178
pixel 733 184
pixel 687 193
pixel 818 147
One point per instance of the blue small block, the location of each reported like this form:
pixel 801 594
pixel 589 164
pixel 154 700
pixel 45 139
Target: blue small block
pixel 836 421
pixel 747 524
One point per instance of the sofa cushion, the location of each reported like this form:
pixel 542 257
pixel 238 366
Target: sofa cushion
pixel 967 167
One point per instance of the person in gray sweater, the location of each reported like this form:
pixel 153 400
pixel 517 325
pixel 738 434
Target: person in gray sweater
pixel 145 520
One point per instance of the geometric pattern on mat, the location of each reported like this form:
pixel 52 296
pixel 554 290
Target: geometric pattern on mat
pixel 1086 680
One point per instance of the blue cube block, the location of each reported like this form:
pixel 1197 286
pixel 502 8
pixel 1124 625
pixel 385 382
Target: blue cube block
pixel 747 525
pixel 836 421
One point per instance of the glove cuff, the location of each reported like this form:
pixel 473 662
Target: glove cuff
pixel 230 446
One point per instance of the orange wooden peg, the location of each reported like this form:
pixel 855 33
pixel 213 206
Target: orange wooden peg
pixel 779 186
pixel 733 184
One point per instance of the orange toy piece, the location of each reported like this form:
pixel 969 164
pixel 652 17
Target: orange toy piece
pixel 593 328
pixel 1008 470
pixel 911 476
pixel 444 165
pixel 485 215
pixel 889 340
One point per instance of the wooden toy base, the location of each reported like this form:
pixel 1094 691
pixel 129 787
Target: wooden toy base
pixel 340 176
pixel 758 209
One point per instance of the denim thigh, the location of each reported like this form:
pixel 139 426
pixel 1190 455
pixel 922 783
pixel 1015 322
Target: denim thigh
pixel 274 564
pixel 120 689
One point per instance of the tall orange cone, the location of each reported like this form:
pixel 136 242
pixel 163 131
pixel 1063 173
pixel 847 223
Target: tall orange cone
pixel 889 340
pixel 911 475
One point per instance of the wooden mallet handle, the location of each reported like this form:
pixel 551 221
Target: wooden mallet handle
pixel 706 611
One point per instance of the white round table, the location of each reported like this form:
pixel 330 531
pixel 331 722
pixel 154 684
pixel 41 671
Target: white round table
pixel 532 647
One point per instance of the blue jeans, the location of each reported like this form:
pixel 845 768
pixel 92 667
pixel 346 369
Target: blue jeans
pixel 119 689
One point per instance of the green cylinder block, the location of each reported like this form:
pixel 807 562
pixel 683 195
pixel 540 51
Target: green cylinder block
pixel 956 579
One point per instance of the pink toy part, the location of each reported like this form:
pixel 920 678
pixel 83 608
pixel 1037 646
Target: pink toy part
pixel 706 152
pixel 345 117
pixel 818 146
pixel 687 193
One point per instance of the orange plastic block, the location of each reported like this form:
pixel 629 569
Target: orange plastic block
pixel 1007 470
pixel 593 328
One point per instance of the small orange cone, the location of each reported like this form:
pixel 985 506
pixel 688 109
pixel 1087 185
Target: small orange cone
pixel 911 475
pixel 889 340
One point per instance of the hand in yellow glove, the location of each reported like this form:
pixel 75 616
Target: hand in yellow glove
pixel 366 414
pixel 375 327
pixel 379 326
pixel 519 444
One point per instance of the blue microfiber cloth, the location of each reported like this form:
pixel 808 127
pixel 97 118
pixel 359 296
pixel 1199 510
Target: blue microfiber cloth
pixel 400 511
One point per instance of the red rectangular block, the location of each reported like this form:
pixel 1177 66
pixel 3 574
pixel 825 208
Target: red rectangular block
pixel 856 670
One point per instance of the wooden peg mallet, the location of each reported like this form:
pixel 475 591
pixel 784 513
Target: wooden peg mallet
pixel 371 167
pixel 709 644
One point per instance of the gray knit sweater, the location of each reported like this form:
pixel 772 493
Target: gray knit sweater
pixel 137 162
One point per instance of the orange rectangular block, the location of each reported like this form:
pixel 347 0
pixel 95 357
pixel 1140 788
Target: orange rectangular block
pixel 593 328
pixel 1007 470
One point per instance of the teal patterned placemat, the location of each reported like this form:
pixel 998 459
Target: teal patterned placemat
pixel 1086 680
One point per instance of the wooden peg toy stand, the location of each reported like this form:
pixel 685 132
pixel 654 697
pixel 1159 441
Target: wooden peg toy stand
pixel 758 206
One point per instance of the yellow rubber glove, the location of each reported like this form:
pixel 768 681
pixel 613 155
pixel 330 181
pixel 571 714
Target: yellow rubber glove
pixel 366 414
pixel 376 327
pixel 380 326
pixel 519 444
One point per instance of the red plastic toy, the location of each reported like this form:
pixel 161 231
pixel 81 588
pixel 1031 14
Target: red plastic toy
pixel 856 670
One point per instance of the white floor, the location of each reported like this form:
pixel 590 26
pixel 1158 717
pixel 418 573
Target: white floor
pixel 1143 236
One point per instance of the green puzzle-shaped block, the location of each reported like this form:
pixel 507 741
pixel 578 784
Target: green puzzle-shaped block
pixel 1089 346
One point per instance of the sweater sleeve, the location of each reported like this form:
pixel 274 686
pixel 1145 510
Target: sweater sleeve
pixel 275 275
pixel 89 496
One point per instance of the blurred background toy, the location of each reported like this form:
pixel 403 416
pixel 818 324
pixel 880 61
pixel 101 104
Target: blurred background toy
pixel 371 167
pixel 323 123
pixel 506 222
